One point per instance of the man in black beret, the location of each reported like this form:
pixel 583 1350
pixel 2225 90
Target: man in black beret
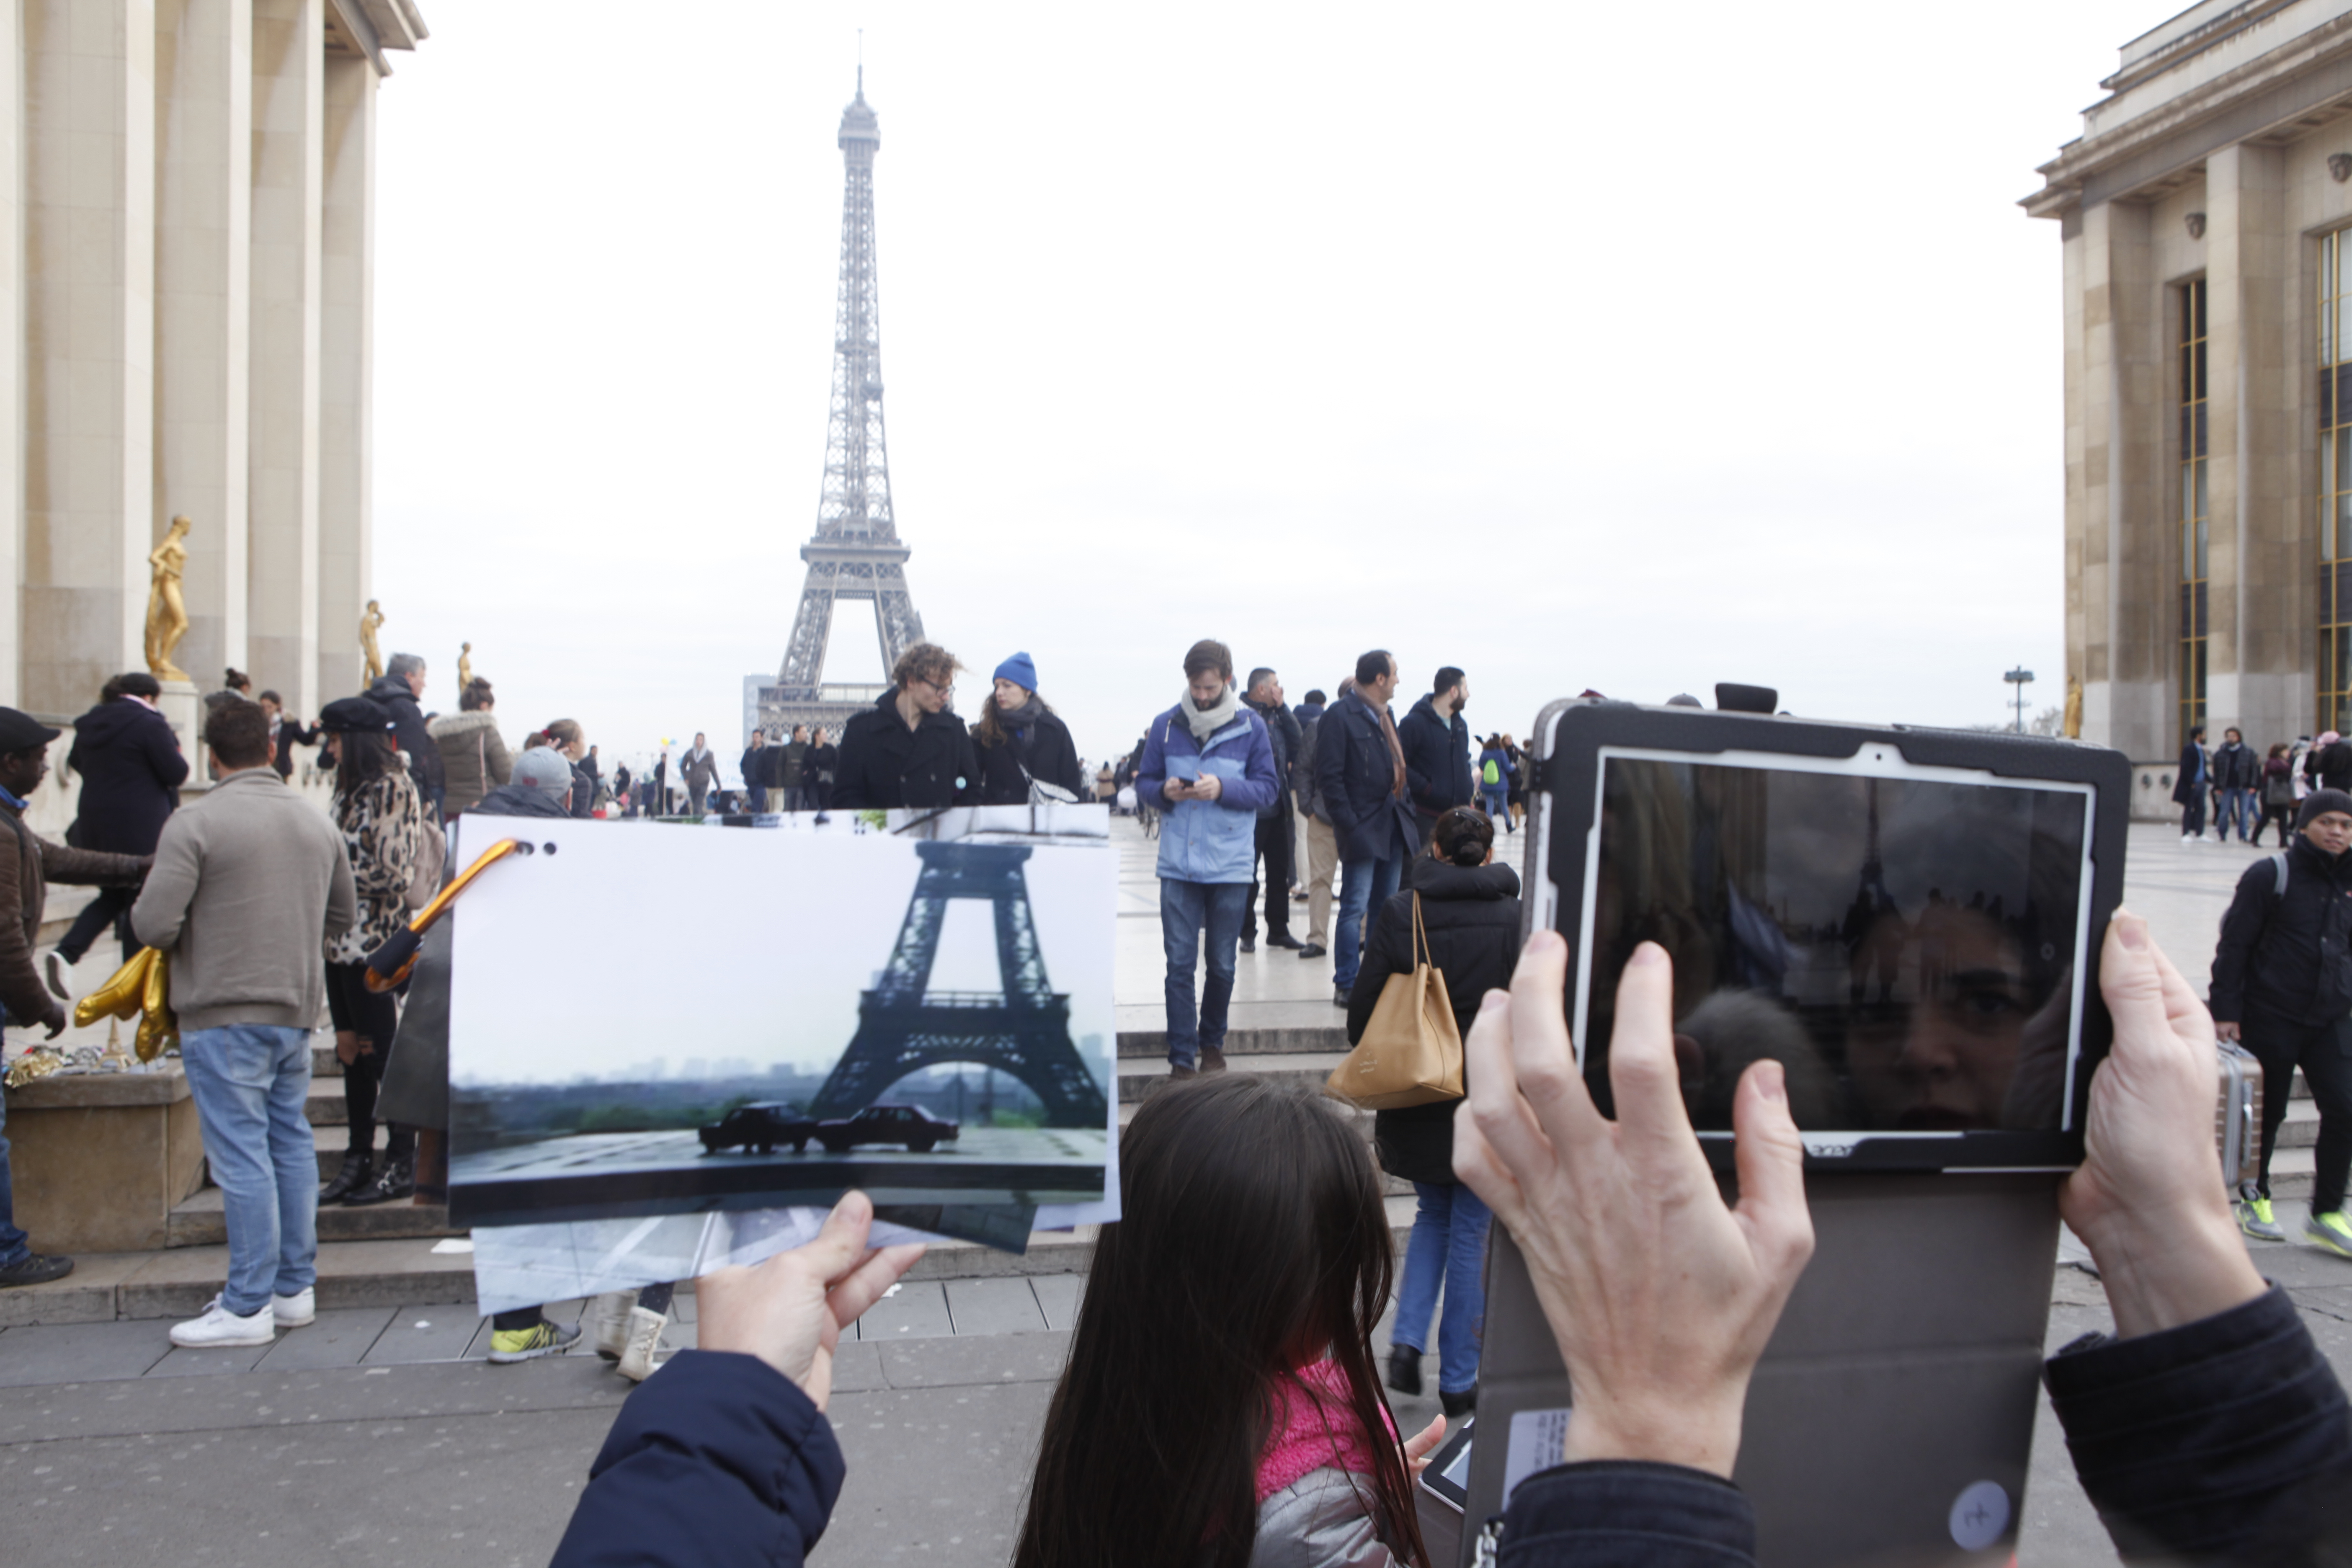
pixel 2282 986
pixel 29 863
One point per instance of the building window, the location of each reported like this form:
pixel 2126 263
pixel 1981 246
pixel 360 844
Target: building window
pixel 2194 515
pixel 2335 705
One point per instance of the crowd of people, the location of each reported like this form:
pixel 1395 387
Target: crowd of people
pixel 1240 1417
pixel 2237 791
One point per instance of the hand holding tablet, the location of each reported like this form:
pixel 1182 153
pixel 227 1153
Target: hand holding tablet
pixel 2144 1200
pixel 1661 1297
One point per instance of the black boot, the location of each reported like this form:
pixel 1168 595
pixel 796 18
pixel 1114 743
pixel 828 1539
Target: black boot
pixel 357 1166
pixel 1404 1369
pixel 396 1179
pixel 1458 1405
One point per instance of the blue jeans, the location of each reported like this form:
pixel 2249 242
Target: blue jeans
pixel 249 1081
pixel 1184 909
pixel 14 1243
pixel 1364 886
pixel 1496 797
pixel 1449 1243
pixel 2237 807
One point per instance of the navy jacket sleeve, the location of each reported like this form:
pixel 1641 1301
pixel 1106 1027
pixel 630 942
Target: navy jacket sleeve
pixel 163 753
pixel 1152 771
pixel 717 1460
pixel 1627 1515
pixel 2240 929
pixel 1256 790
pixel 2225 1441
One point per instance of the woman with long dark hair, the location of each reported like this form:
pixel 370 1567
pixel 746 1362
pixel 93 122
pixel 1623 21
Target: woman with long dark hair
pixel 1469 911
pixel 1018 739
pixel 383 819
pixel 1220 1399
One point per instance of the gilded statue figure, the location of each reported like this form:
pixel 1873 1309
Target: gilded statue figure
pixel 465 668
pixel 167 612
pixel 2073 721
pixel 368 624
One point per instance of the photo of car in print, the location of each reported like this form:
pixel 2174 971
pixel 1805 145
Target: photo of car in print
pixel 763 1129
pixel 760 1129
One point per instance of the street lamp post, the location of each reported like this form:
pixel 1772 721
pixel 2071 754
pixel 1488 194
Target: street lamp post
pixel 2019 678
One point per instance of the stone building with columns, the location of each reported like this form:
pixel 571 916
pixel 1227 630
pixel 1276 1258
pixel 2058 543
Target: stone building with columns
pixel 2205 217
pixel 186 232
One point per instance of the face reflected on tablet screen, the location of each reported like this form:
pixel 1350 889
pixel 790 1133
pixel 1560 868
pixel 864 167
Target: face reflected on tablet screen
pixel 1904 947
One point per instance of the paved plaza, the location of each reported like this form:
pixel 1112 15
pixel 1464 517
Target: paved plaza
pixel 380 1435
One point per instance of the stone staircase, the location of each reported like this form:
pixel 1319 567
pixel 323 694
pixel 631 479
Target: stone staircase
pixel 199 1222
pixel 383 1254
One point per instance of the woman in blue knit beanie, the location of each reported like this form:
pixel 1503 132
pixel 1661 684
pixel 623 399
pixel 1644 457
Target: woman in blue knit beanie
pixel 1020 740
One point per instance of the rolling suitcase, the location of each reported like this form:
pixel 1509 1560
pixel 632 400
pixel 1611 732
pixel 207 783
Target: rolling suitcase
pixel 2237 1117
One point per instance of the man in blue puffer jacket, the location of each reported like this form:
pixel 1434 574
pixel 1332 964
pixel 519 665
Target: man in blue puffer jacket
pixel 1209 765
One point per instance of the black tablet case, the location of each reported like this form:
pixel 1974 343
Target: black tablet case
pixel 1902 1377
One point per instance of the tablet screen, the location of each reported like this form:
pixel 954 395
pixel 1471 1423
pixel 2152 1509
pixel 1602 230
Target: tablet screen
pixel 1905 945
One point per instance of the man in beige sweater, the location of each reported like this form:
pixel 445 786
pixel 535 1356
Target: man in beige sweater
pixel 248 883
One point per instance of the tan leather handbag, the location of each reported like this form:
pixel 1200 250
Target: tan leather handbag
pixel 1412 1051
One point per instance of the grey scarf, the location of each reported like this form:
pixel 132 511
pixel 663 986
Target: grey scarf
pixel 1206 721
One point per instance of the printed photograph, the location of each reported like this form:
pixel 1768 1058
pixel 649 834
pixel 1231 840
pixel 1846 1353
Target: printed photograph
pixel 674 1021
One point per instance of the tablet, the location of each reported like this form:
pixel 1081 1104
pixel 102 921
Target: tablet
pixel 1448 1472
pixel 1907 920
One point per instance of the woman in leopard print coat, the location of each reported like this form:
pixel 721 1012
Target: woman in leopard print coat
pixel 383 823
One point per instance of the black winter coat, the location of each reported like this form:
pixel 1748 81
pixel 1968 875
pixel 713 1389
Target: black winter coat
pixel 1355 783
pixel 884 764
pixel 1283 733
pixel 1436 757
pixel 2234 767
pixel 1471 917
pixel 132 770
pixel 2330 767
pixel 1050 755
pixel 424 769
pixel 2292 956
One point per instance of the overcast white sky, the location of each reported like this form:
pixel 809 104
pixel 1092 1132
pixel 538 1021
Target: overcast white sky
pixel 1610 347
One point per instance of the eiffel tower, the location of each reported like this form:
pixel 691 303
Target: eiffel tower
pixel 1023 1029
pixel 855 554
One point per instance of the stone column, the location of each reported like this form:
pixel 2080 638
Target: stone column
pixel 90 309
pixel 2118 366
pixel 346 361
pixel 204 70
pixel 289 94
pixel 2261 628
pixel 11 363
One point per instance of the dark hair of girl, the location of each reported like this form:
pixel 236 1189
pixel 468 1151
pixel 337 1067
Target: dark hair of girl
pixel 1253 1243
pixel 130 683
pixel 362 757
pixel 237 680
pixel 989 729
pixel 476 697
pixel 1463 835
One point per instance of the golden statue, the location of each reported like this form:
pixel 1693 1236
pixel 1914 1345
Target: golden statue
pixel 2073 721
pixel 167 612
pixel 368 624
pixel 465 668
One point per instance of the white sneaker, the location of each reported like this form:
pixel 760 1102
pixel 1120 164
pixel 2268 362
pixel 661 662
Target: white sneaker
pixel 220 1328
pixel 61 971
pixel 2189 839
pixel 645 1328
pixel 294 1311
pixel 611 1315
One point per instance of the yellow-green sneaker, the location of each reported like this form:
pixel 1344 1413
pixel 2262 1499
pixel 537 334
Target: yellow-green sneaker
pixel 2332 1231
pixel 2255 1219
pixel 541 1338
